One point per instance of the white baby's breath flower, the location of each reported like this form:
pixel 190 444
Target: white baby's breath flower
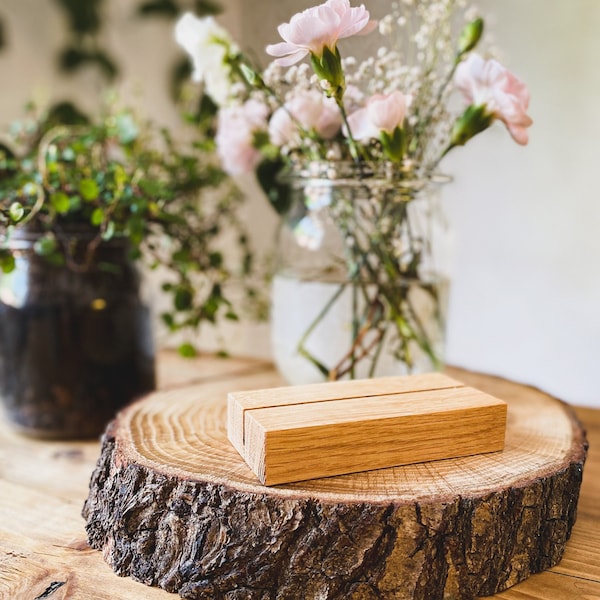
pixel 304 70
pixel 386 25
pixel 291 74
pixel 334 152
pixel 238 89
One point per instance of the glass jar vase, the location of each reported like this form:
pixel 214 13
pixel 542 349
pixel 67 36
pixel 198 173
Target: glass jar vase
pixel 360 286
pixel 75 340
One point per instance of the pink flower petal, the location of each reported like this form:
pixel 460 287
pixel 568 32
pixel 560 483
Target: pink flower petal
pixel 235 136
pixel 312 110
pixel 368 28
pixel 313 32
pixel 361 126
pixel 387 112
pixel 281 49
pixel 291 59
pixel 321 26
pixel 355 21
pixel 519 134
pixel 489 84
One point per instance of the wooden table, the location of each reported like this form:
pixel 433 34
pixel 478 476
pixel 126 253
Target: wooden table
pixel 43 547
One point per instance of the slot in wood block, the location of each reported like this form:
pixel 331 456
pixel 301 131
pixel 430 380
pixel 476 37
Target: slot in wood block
pixel 306 432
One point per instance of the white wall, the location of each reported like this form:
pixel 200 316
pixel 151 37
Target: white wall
pixel 526 295
pixel 525 300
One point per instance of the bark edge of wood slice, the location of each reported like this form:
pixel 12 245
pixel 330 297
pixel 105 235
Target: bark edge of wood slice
pixel 172 504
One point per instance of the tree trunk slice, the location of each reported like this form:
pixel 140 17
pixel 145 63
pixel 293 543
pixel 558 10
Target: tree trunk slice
pixel 172 504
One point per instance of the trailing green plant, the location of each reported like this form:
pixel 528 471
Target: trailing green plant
pixel 119 177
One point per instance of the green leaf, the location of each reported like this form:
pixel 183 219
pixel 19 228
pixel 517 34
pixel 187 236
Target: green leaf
pixel 71 58
pixel 268 174
pixel 97 217
pixel 109 267
pixel 120 177
pixel 215 259
pixel 183 298
pixel 74 203
pixel 64 113
pixel 74 57
pixel 135 253
pixel 158 8
pixel 151 187
pixel 261 139
pixel 106 64
pixel 168 320
pixel 56 259
pixel 7 261
pixel 207 7
pixel 46 245
pixel 135 229
pixel 207 109
pixel 84 17
pixel 138 206
pixel 61 203
pixel 88 189
pixel 16 211
pixel 180 74
pixel 127 128
pixel 182 255
pixel 210 308
pixel 187 350
pixel 394 144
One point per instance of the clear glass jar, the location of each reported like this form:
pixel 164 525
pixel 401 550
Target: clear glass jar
pixel 358 289
pixel 76 342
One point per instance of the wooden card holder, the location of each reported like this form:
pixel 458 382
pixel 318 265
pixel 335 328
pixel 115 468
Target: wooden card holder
pixel 291 434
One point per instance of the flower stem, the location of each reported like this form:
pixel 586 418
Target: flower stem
pixel 354 149
pixel 301 344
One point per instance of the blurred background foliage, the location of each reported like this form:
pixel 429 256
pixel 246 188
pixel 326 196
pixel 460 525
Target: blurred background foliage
pixel 86 21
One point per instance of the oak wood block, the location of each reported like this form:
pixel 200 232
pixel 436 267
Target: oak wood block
pixel 172 504
pixel 295 433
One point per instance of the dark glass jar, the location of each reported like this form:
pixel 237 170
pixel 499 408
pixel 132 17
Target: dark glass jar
pixel 75 341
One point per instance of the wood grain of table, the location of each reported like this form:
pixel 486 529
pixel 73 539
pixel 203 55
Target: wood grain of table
pixel 43 547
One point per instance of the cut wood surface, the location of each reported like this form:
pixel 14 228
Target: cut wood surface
pixel 43 547
pixel 290 434
pixel 173 504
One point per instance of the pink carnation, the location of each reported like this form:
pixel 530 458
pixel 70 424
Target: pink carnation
pixel 381 113
pixel 487 83
pixel 314 28
pixel 235 136
pixel 310 109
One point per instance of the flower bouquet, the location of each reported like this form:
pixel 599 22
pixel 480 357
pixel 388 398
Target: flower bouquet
pixel 348 151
